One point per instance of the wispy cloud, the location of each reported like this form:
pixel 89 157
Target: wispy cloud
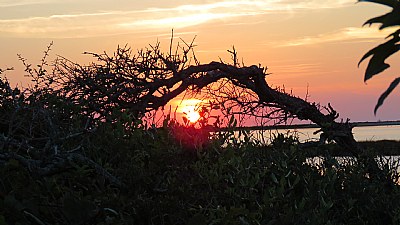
pixel 292 70
pixel 107 22
pixel 15 3
pixel 181 21
pixel 342 35
pixel 315 4
pixel 53 26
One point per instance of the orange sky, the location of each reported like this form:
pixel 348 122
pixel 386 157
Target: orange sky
pixel 310 44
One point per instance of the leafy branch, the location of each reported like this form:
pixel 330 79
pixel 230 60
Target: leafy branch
pixel 383 51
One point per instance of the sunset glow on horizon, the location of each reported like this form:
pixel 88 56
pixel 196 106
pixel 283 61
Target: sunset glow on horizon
pixel 310 47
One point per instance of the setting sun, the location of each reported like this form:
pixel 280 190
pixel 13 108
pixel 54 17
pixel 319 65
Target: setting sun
pixel 191 114
pixel 189 109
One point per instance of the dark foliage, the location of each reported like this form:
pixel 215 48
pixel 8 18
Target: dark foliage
pixel 166 183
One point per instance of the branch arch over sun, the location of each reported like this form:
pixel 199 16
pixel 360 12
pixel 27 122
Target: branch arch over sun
pixel 148 80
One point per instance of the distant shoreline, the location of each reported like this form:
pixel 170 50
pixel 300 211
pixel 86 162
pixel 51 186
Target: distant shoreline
pixel 302 126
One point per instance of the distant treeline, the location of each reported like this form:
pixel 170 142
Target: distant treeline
pixel 300 126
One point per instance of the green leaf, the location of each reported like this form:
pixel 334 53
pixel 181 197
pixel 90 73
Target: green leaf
pixel 379 55
pixel 384 95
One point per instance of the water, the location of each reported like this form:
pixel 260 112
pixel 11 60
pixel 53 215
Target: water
pixel 367 133
pixel 375 133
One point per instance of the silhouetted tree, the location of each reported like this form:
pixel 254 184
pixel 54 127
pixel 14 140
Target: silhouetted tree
pixel 72 100
pixel 141 83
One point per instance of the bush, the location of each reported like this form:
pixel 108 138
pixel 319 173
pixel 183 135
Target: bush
pixel 165 183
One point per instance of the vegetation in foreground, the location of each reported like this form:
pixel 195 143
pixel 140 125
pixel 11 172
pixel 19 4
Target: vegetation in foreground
pixel 165 182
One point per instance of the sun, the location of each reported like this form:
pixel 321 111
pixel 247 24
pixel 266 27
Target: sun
pixel 191 114
pixel 189 109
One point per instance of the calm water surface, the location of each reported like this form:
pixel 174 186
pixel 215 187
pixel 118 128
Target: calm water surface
pixel 367 133
pixel 374 133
